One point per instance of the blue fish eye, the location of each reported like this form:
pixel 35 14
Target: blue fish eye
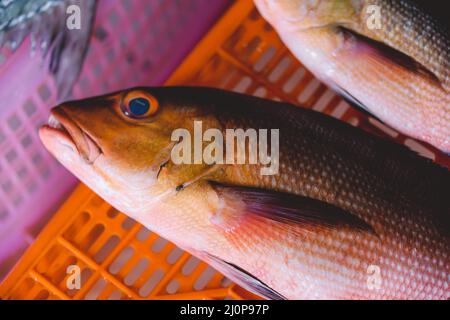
pixel 138 107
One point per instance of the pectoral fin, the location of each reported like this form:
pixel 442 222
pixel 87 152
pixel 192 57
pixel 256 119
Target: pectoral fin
pixel 376 53
pixel 236 204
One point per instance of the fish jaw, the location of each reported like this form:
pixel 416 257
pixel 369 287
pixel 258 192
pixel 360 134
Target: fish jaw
pixel 67 132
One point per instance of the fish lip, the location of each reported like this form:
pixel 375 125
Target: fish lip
pixel 74 135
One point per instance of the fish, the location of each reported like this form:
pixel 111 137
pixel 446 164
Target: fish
pixel 391 58
pixel 45 22
pixel 348 215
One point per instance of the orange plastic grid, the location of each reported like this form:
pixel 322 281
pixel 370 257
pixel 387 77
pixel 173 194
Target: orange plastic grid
pixel 118 257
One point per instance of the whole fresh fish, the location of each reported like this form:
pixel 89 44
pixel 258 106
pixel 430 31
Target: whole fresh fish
pixel 348 215
pixel 46 22
pixel 390 57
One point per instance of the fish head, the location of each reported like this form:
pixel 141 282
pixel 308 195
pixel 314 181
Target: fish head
pixel 120 144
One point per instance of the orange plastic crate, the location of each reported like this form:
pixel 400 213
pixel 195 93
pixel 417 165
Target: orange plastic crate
pixel 118 257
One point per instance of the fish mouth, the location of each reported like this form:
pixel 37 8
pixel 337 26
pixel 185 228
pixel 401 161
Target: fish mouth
pixel 70 134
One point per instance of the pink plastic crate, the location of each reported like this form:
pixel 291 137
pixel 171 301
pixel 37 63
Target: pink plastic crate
pixel 134 42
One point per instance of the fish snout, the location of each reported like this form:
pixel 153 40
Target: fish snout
pixel 63 129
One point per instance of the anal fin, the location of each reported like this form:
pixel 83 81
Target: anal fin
pixel 243 278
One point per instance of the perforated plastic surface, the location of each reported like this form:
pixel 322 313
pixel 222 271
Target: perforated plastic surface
pixel 117 259
pixel 240 53
pixel 134 42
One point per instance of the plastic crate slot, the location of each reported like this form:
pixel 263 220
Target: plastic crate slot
pixel 30 108
pixel 128 223
pixel 44 92
pixel 96 201
pixel 83 83
pixel 112 213
pixel 190 266
pixel 173 286
pixel 324 100
pixel 26 141
pixel 91 237
pixel 309 91
pixel 204 278
pixel 264 59
pixel 97 70
pixel 159 245
pixel 115 295
pixel 143 234
pixel 280 69
pixel 7 186
pixel 136 272
pixel 22 173
pixel 96 290
pixel 340 109
pixel 113 18
pixel 106 249
pixel 151 283
pixel 294 80
pixel 80 221
pixel 228 78
pixel 251 47
pixel 14 122
pixel 37 158
pixel 11 156
pixel 233 40
pixel 31 186
pixel 121 260
pixel 174 255
pixel 260 92
pixel 243 85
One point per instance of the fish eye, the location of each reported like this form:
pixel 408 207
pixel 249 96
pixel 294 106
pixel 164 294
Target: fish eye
pixel 139 105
